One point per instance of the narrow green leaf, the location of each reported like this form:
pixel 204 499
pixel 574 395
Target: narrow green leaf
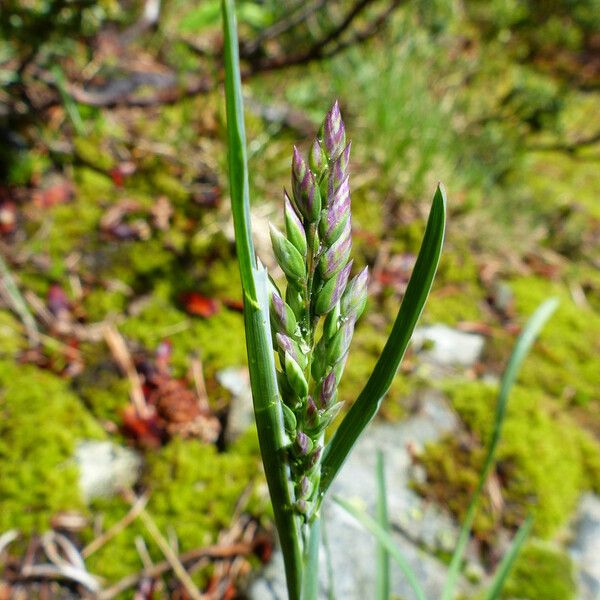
pixel 68 101
pixel 382 582
pixel 369 400
pixel 237 155
pixel 522 347
pixel 508 560
pixel 384 538
pixel 261 363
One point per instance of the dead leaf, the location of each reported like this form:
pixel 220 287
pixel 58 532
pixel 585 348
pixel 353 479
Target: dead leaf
pixel 199 305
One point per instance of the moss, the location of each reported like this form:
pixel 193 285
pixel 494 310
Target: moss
pixel 545 460
pixel 105 392
pixel 93 184
pixel 41 421
pixel 193 491
pixel 11 335
pixel 541 572
pixel 91 153
pixel 170 186
pixel 565 361
pixel 73 227
pixel 100 303
pixel 457 295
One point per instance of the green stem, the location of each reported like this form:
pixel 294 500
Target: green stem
pixel 310 582
pixel 310 269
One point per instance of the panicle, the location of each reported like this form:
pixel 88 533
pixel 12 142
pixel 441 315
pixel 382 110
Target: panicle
pixel 314 254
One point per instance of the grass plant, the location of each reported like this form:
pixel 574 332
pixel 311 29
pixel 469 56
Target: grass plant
pixel 292 404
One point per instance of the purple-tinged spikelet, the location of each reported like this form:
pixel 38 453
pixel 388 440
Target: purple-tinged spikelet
pixel 332 291
pixel 334 132
pixel 307 195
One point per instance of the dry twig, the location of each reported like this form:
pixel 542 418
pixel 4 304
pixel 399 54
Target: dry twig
pixel 119 526
pixel 118 347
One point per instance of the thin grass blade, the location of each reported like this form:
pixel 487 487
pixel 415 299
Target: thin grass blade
pixel 68 102
pixel 382 582
pixel 369 400
pixel 522 347
pixel 384 538
pixel 508 560
pixel 265 394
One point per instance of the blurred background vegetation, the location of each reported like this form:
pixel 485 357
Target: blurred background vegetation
pixel 120 299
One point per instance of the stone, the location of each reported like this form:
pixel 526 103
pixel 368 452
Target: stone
pixel 105 468
pixel 444 346
pixel 585 547
pixel 240 415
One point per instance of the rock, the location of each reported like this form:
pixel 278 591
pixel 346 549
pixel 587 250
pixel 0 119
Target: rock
pixel 446 347
pixel 585 548
pixel 415 524
pixel 105 468
pixel 241 413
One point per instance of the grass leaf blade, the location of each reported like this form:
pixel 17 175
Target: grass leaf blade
pixel 382 589
pixel 261 363
pixel 508 560
pixel 369 400
pixel 522 347
pixel 384 538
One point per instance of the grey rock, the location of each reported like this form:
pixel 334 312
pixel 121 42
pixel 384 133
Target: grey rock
pixel 105 468
pixel 444 346
pixel 416 525
pixel 585 547
pixel 241 413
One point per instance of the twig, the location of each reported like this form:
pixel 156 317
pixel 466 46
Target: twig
pixel 53 542
pixel 368 32
pixel 285 24
pixel 118 347
pixel 317 50
pixel 199 383
pixel 65 571
pixel 142 550
pixel 568 147
pixel 7 538
pixel 162 543
pixel 88 333
pixel 119 526
pixel 216 551
pixel 12 296
pixel 70 567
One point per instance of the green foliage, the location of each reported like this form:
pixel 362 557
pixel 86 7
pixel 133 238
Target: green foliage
pixel 541 572
pixel 41 421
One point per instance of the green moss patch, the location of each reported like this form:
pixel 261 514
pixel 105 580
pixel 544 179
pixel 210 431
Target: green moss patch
pixel 544 460
pixel 41 421
pixel 193 491
pixel 542 572
pixel 565 361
